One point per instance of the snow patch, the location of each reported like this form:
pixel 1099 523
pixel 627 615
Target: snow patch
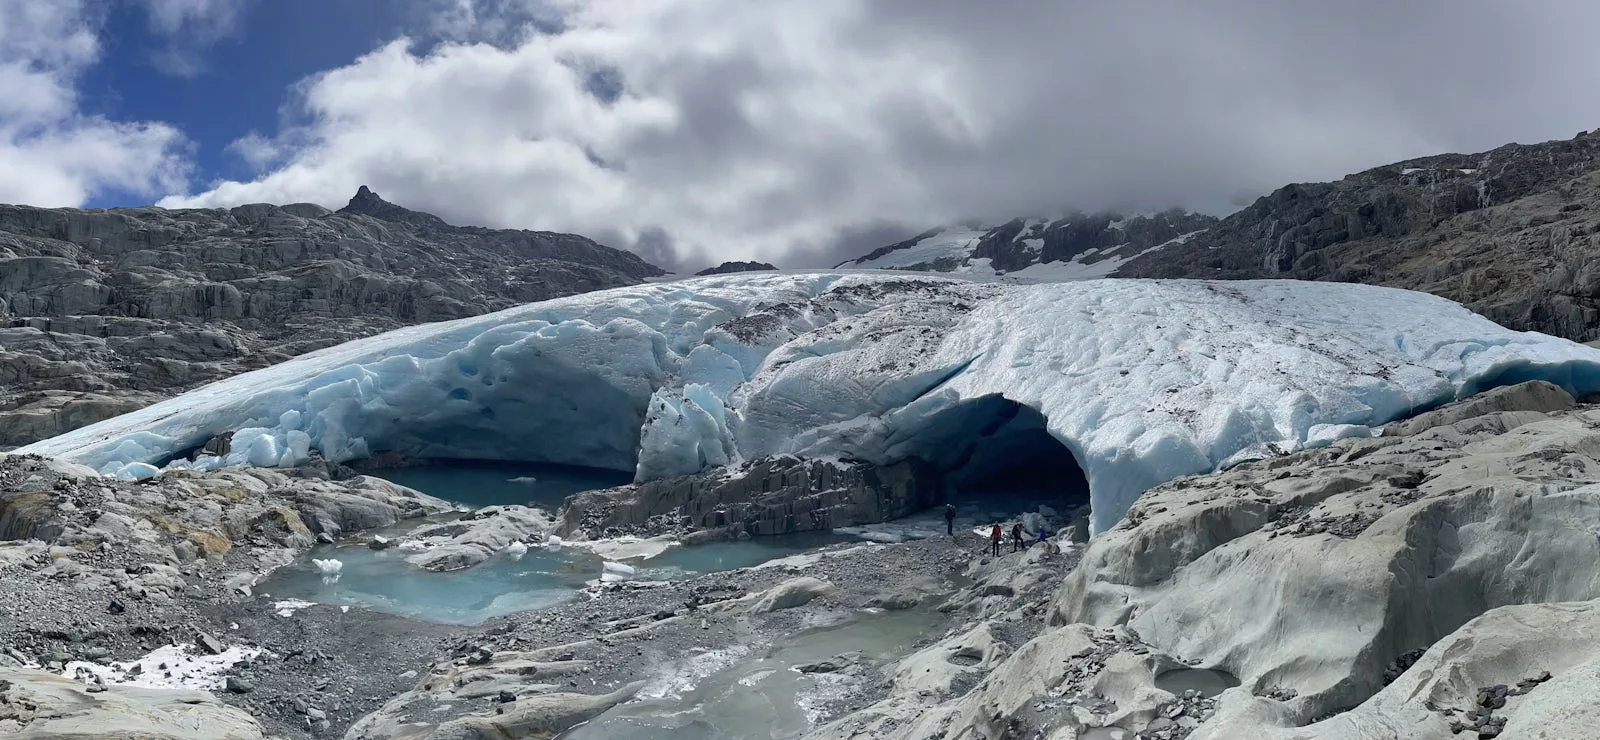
pixel 185 669
pixel 288 607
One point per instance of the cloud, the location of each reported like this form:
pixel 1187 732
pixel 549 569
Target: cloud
pixel 258 152
pixel 51 153
pixel 189 28
pixel 788 130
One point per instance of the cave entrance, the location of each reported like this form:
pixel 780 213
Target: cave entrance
pixel 1000 463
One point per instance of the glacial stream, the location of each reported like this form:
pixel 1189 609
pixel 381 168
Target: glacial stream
pixel 731 694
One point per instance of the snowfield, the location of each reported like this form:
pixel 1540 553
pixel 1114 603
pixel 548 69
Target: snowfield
pixel 1142 381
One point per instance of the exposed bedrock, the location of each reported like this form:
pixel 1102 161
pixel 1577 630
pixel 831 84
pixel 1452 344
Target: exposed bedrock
pixel 171 521
pixel 770 496
pixel 1318 577
pixel 35 705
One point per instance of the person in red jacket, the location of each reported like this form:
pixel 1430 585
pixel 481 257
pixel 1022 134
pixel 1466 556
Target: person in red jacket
pixel 994 540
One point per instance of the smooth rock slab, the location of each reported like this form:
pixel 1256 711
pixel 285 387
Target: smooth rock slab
pixel 35 705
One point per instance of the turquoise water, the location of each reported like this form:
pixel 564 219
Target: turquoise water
pixel 476 483
pixel 542 577
pixel 382 579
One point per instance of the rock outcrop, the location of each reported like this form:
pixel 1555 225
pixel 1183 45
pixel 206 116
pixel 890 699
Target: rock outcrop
pixel 779 495
pixel 35 705
pixel 1512 233
pixel 130 537
pixel 106 310
pixel 728 267
pixel 1414 584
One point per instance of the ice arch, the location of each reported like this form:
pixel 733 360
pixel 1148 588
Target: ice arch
pixel 1141 380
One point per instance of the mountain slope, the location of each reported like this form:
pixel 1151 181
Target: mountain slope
pixel 1075 246
pixel 1511 233
pixel 103 311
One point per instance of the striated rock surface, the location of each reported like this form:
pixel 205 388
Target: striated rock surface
pixel 1512 233
pixel 102 311
pixel 778 495
pixel 1408 585
pixel 35 705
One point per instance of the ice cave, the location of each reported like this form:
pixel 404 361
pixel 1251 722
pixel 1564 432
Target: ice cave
pixel 1117 384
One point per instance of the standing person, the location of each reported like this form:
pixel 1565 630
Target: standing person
pixel 1044 538
pixel 950 519
pixel 1016 537
pixel 994 540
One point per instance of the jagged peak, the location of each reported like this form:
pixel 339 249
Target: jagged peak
pixel 368 203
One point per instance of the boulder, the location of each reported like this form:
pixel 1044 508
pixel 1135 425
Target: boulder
pixel 790 594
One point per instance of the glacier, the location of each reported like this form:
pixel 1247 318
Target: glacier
pixel 1141 381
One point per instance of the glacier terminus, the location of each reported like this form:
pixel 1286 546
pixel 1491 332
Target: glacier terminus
pixel 1142 381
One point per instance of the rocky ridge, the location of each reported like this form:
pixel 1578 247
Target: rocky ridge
pixel 1078 244
pixel 105 311
pixel 729 267
pixel 1512 233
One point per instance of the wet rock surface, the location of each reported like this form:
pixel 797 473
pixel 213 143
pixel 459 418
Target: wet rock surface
pixel 106 311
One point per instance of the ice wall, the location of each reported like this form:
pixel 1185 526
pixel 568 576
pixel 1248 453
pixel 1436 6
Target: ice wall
pixel 1142 380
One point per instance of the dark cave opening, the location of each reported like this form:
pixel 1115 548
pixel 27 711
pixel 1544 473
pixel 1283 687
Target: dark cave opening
pixel 997 457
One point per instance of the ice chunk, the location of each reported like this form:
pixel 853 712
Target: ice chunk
pixel 329 568
pixel 1141 380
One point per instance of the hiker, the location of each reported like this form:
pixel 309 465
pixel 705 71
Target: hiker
pixel 1016 537
pixel 994 540
pixel 950 519
pixel 1044 539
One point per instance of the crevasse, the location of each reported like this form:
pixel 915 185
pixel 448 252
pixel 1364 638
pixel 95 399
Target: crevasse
pixel 1142 381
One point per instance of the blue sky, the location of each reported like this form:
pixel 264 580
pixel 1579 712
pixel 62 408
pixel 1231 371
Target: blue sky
pixel 800 132
pixel 238 84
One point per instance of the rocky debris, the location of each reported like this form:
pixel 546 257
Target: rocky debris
pixel 1400 665
pixel 731 267
pixel 779 495
pixel 1511 233
pixel 34 704
pixel 106 311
